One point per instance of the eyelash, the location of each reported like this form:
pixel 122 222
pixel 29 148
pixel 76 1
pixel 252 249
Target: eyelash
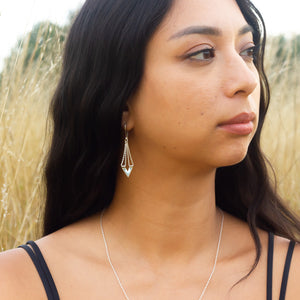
pixel 253 50
pixel 211 52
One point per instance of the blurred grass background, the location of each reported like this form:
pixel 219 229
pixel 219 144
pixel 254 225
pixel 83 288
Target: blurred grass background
pixel 27 83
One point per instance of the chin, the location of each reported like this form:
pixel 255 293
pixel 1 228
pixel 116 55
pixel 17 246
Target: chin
pixel 233 157
pixel 234 161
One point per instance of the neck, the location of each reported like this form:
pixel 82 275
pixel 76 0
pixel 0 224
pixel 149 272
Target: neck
pixel 176 220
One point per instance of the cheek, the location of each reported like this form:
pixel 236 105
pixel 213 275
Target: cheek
pixel 175 103
pixel 255 103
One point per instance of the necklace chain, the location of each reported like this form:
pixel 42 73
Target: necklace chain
pixel 116 274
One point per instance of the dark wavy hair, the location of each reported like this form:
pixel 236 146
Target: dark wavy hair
pixel 103 66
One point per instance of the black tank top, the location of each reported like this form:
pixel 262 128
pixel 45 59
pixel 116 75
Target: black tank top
pixel 52 294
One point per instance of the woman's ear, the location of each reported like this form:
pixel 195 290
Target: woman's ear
pixel 127 117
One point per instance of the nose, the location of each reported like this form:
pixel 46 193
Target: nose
pixel 240 76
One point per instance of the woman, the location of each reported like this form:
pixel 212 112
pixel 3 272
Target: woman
pixel 156 184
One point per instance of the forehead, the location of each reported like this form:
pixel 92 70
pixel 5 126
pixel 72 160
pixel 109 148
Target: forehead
pixel 224 14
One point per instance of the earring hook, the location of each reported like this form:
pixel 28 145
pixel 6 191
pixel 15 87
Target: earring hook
pixel 125 129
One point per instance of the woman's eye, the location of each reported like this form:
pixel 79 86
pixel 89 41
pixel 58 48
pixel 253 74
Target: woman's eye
pixel 249 53
pixel 202 55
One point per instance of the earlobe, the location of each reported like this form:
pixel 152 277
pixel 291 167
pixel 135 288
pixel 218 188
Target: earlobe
pixel 127 118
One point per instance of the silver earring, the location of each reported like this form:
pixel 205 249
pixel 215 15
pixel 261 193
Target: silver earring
pixel 127 161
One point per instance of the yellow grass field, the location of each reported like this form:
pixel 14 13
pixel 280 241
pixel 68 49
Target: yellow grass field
pixel 25 134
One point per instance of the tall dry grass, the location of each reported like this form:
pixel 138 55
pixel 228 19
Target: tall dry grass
pixel 281 135
pixel 24 137
pixel 25 94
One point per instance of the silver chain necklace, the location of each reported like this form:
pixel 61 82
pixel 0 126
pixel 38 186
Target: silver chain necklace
pixel 118 279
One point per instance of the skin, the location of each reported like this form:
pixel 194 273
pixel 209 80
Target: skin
pixel 163 237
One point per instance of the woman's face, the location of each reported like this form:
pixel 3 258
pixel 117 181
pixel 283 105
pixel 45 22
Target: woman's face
pixel 198 101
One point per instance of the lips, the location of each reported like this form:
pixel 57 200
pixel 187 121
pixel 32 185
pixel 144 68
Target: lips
pixel 241 124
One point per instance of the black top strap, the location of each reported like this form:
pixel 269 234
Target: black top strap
pixel 270 266
pixel 287 265
pixel 42 268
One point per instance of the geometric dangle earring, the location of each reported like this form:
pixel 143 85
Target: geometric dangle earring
pixel 127 161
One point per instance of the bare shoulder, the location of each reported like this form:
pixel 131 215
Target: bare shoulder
pixel 79 242
pixel 18 277
pixel 293 286
pixel 75 239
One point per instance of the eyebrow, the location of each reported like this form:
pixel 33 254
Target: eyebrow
pixel 207 30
